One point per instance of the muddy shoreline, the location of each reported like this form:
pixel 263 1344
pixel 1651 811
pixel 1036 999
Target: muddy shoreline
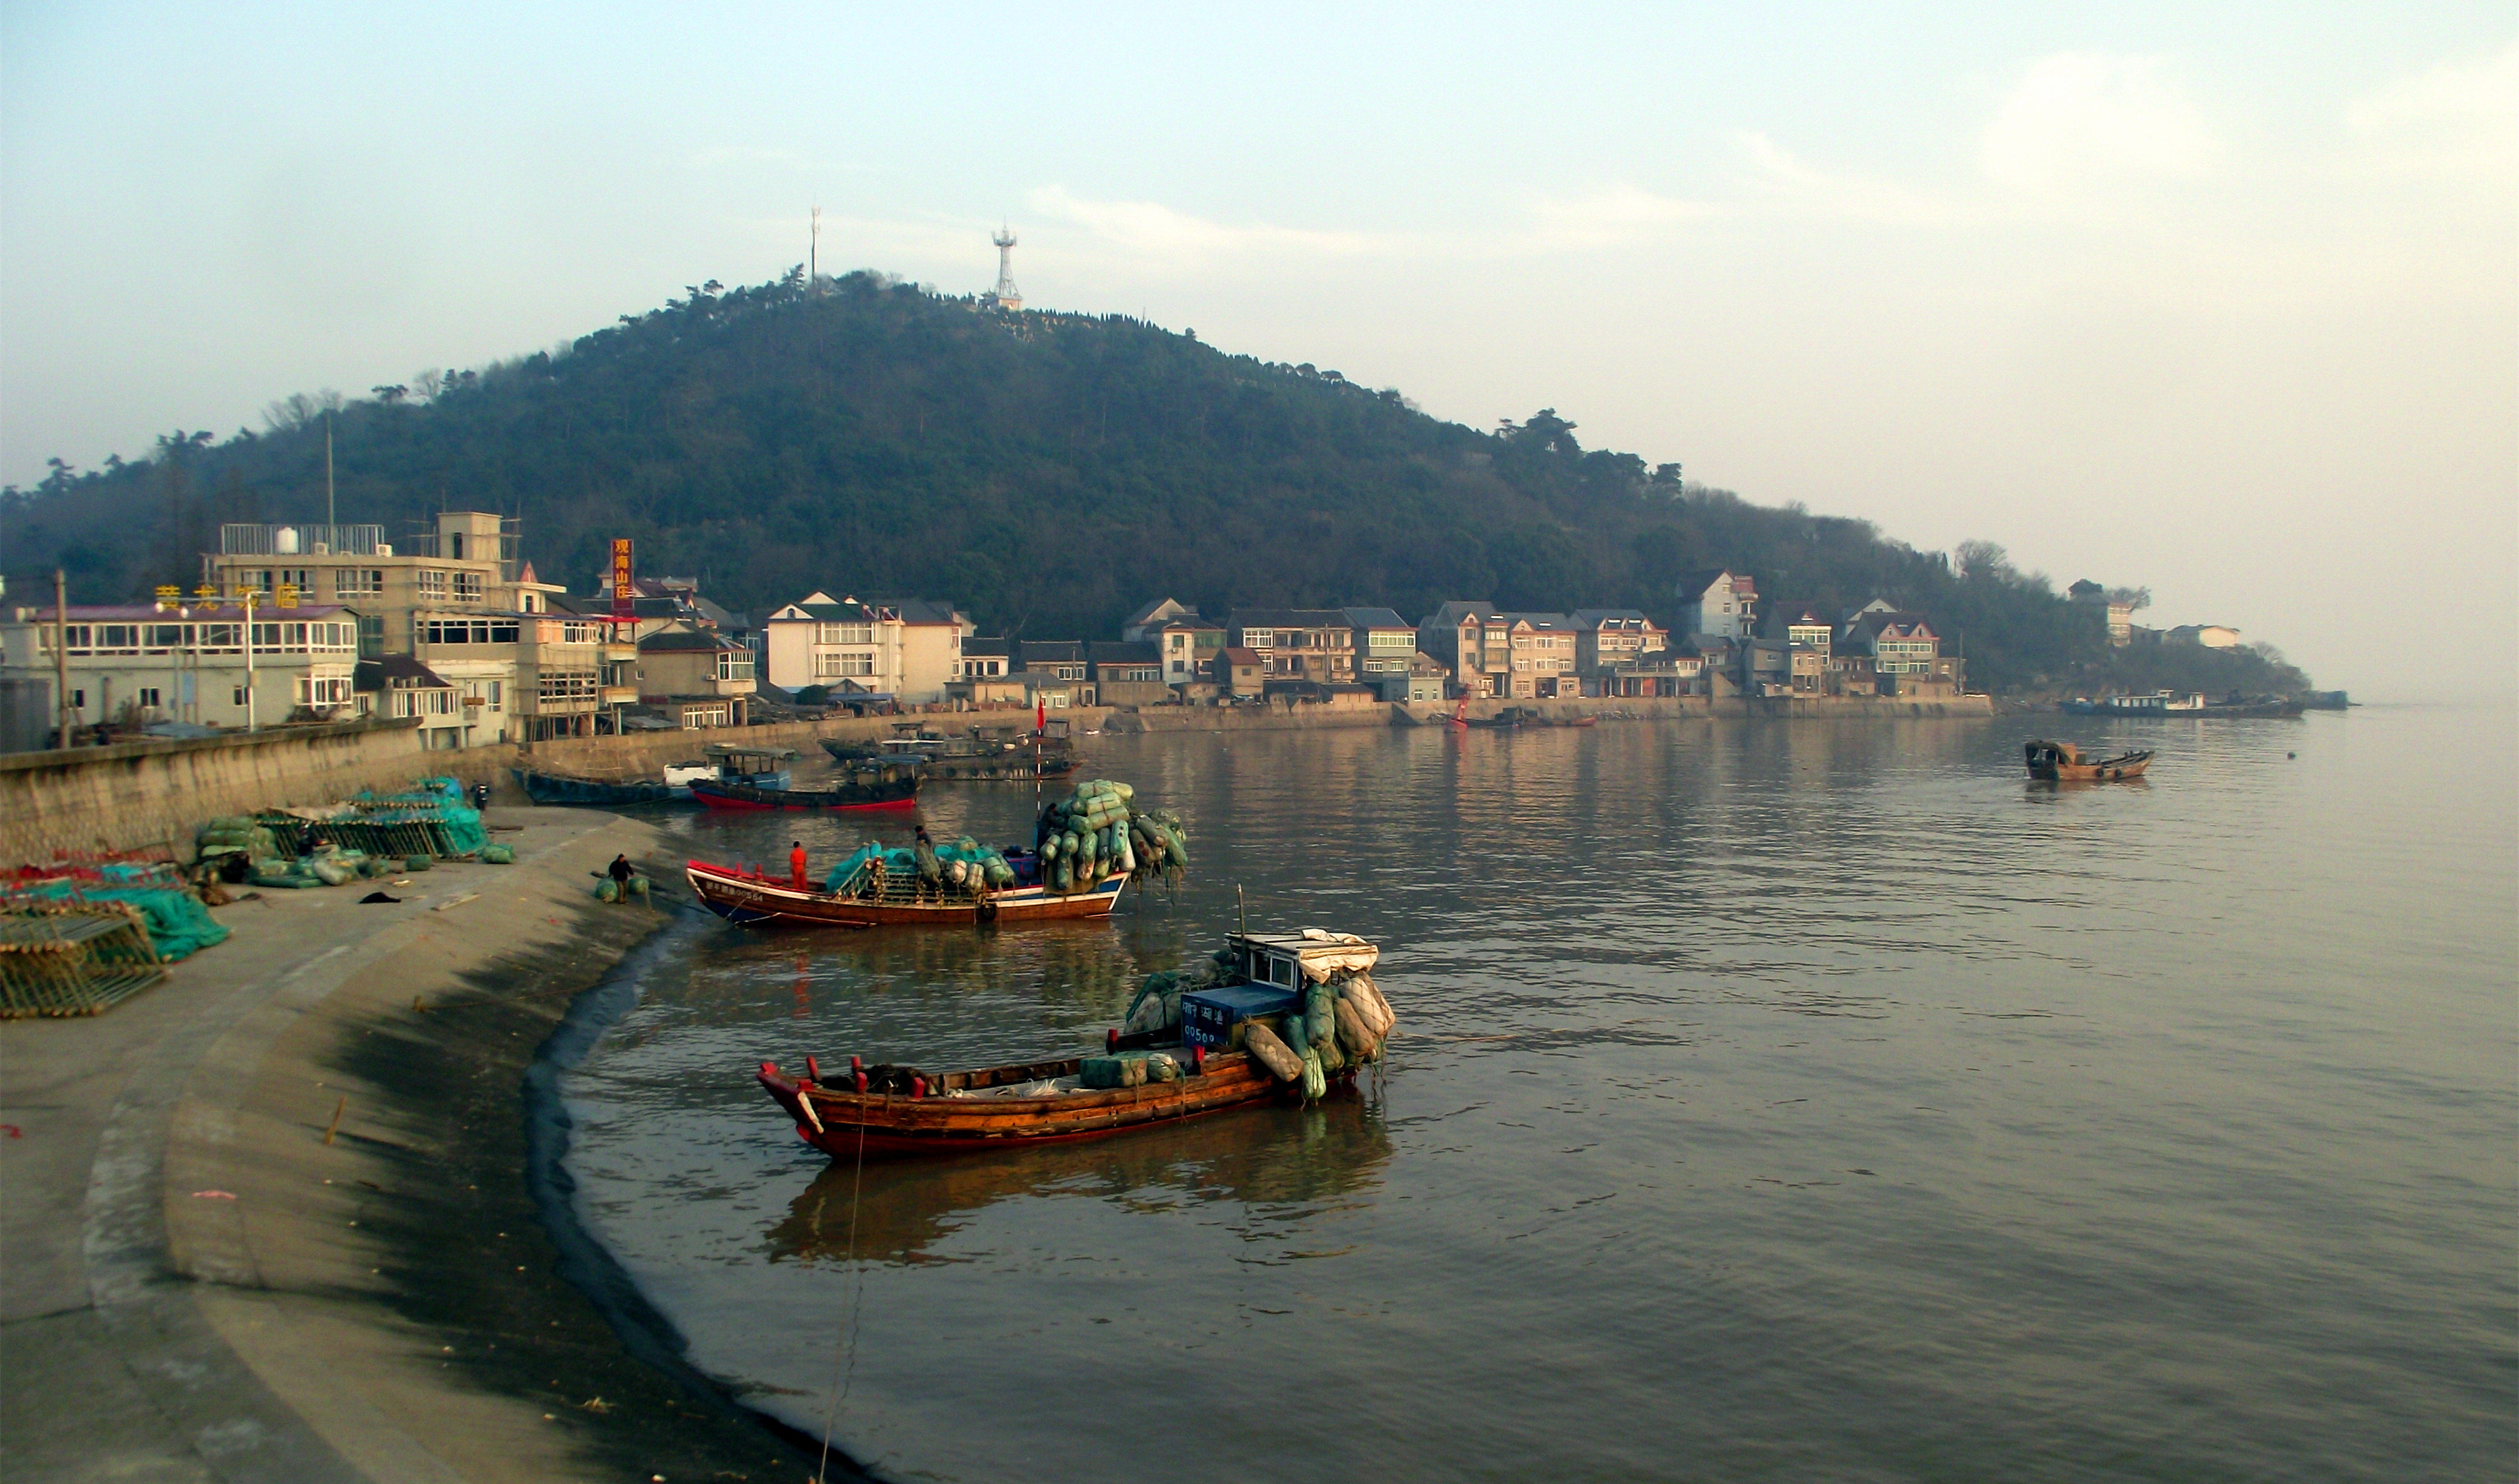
pixel 482 1222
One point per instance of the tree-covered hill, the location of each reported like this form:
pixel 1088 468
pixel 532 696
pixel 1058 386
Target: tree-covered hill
pixel 1046 471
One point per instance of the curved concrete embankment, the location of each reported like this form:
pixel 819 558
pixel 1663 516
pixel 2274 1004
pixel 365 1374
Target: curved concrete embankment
pixel 200 1286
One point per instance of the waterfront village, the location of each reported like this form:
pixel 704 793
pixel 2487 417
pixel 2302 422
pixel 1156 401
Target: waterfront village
pixel 450 629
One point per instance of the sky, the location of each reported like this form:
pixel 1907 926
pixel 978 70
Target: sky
pixel 2222 301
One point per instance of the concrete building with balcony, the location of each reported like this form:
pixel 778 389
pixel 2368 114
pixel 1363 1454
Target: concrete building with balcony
pixel 1384 647
pixel 1610 641
pixel 1718 603
pixel 906 649
pixel 1504 655
pixel 1189 646
pixel 1314 644
pixel 466 561
pixel 398 687
pixel 697 678
pixel 132 665
pixel 1128 673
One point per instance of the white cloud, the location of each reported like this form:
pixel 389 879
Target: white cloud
pixel 2080 122
pixel 1152 229
pixel 2459 118
pixel 1821 193
pixel 1609 218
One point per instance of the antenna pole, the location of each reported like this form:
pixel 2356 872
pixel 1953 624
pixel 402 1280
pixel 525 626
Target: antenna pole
pixel 813 253
pixel 61 656
pixel 1241 913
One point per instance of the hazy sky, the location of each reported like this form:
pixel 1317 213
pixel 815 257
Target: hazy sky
pixel 2221 300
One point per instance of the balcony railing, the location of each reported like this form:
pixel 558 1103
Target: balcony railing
pixel 301 541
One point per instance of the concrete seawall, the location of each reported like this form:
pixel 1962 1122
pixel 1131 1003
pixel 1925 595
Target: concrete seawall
pixel 136 795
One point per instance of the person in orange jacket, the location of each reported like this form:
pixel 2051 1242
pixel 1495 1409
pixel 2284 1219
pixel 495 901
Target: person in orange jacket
pixel 796 865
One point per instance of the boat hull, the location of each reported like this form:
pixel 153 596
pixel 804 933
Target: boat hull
pixel 894 1125
pixel 967 767
pixel 894 794
pixel 755 901
pixel 560 789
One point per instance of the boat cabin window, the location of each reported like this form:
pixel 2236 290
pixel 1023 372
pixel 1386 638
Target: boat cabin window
pixel 1283 974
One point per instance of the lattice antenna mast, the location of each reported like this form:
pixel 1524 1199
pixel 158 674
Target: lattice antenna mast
pixel 1007 295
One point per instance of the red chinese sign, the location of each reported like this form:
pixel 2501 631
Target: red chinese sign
pixel 624 586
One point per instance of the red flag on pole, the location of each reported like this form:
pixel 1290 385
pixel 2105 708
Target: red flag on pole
pixel 1040 714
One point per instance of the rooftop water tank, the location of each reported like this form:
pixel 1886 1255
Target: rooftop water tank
pixel 284 541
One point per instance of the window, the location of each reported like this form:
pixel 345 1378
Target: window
pixel 371 637
pixel 844 633
pixel 468 587
pixel 358 582
pixel 239 695
pixel 1260 638
pixel 148 696
pixel 1179 640
pixel 432 701
pixel 733 667
pixel 567 684
pixel 432 583
pixel 574 633
pixel 324 690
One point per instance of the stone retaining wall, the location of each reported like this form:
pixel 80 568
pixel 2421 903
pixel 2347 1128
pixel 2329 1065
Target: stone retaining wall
pixel 136 796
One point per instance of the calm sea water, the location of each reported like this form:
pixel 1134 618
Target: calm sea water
pixel 1773 1101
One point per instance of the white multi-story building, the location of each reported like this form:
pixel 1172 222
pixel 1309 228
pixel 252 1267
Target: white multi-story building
pixel 1720 604
pixel 135 664
pixel 905 648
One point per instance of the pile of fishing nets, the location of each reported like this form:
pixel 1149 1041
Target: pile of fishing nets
pixel 1098 832
pixel 963 867
pixel 1341 1020
pixel 235 835
pixel 177 924
pixel 1344 1023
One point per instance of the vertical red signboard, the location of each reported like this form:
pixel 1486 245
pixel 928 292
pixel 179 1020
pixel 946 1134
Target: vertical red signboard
pixel 624 588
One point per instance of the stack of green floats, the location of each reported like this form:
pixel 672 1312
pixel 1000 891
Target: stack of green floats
pixel 1098 832
pixel 1343 1021
pixel 963 865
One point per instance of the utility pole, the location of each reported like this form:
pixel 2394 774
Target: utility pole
pixel 328 518
pixel 61 656
pixel 248 660
pixel 812 253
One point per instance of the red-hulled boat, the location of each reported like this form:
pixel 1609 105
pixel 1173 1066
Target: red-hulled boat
pixel 755 900
pixel 907 1112
pixel 891 1110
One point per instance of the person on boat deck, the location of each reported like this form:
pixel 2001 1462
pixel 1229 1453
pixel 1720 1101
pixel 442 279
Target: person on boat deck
pixel 796 865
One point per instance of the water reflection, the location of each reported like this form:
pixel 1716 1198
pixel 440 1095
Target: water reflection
pixel 1328 1154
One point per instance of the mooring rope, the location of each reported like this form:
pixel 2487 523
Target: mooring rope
pixel 843 1378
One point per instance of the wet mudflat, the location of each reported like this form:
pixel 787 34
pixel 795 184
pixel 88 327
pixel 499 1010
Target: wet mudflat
pixel 1782 1100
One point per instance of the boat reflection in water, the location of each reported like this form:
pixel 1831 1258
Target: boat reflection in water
pixel 1330 1155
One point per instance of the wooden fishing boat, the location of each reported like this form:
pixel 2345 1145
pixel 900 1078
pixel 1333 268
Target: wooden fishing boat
pixel 559 788
pixel 892 1110
pixel 907 1112
pixel 946 761
pixel 893 787
pixel 2062 763
pixel 755 898
pixel 757 768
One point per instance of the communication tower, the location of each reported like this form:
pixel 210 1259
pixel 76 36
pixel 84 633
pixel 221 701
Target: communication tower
pixel 1005 295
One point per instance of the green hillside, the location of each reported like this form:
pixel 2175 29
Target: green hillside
pixel 1048 472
